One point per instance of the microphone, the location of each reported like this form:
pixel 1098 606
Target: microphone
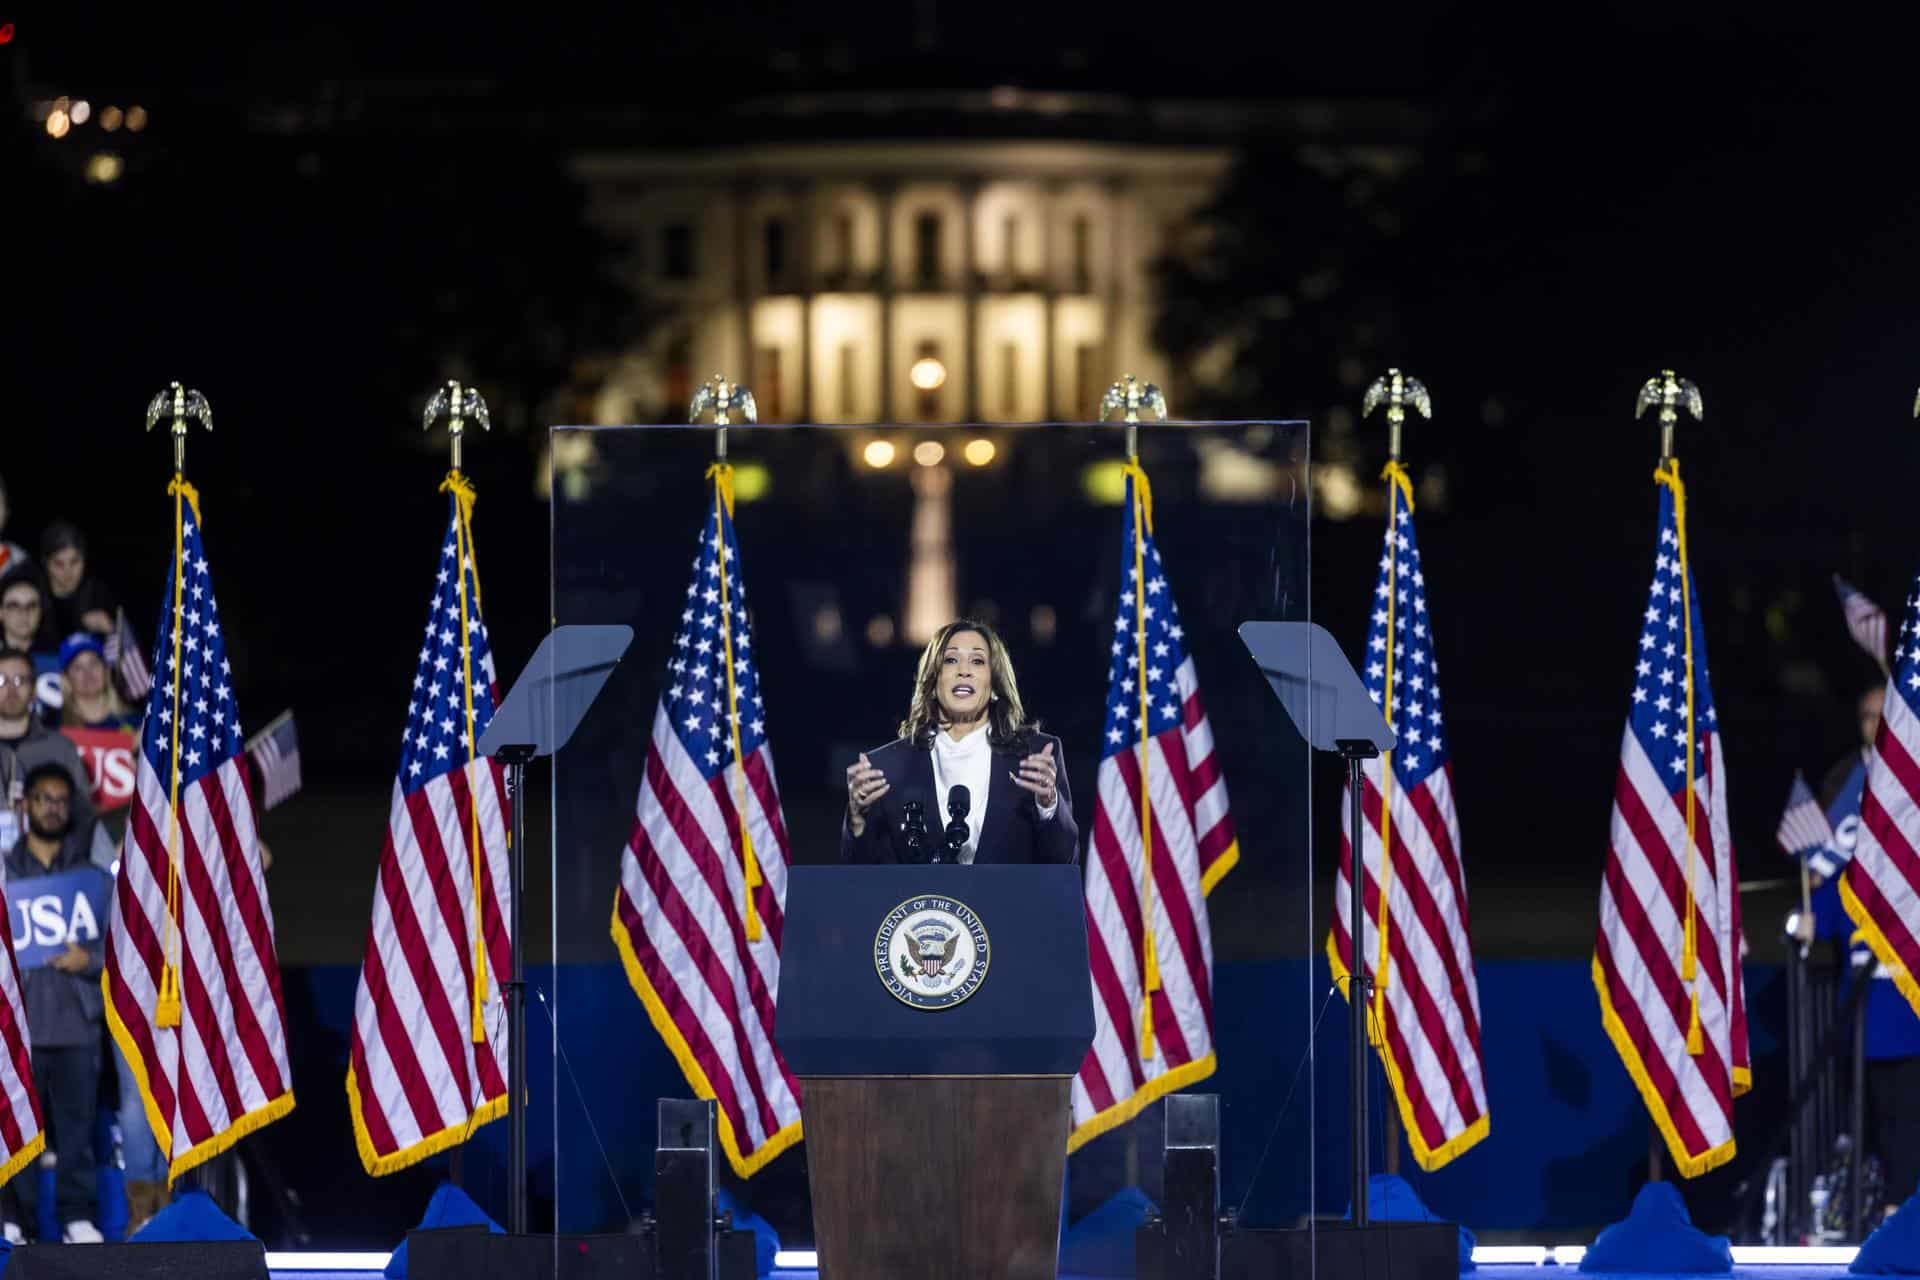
pixel 913 833
pixel 959 804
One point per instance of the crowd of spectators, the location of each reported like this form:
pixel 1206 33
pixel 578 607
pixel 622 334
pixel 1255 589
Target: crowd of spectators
pixel 64 715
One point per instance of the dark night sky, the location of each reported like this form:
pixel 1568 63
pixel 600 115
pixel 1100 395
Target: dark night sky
pixel 1724 192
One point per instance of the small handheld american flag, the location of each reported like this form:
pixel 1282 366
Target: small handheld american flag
pixel 1866 621
pixel 122 650
pixel 1804 830
pixel 275 751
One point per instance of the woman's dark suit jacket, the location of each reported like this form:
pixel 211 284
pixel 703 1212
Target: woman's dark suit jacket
pixel 1012 831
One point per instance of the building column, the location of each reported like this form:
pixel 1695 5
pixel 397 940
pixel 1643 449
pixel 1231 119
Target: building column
pixel 970 292
pixel 883 287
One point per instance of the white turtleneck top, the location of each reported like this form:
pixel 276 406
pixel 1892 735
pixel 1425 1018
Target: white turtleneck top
pixel 967 763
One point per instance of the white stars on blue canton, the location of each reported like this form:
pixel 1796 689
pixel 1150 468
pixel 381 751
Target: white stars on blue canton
pixel 696 692
pixel 209 719
pixel 1415 713
pixel 435 741
pixel 1659 717
pixel 1906 650
pixel 1165 647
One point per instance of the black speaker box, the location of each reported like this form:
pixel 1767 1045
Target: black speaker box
pixel 1340 1251
pixel 198 1260
pixel 460 1253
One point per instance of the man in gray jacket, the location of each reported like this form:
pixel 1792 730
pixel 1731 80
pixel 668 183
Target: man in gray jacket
pixel 66 1011
pixel 34 744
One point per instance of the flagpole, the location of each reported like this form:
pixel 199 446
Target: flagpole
pixel 1671 394
pixel 181 405
pixel 1127 397
pixel 722 399
pixel 462 404
pixel 1397 391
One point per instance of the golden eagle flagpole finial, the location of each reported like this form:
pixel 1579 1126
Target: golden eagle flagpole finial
pixel 181 405
pixel 1397 391
pixel 1671 394
pixel 460 404
pixel 722 399
pixel 1125 399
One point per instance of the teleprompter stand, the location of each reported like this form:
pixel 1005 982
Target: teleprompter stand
pixel 1328 704
pixel 541 711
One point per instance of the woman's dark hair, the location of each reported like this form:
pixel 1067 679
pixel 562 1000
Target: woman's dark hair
pixel 1007 723
pixel 60 535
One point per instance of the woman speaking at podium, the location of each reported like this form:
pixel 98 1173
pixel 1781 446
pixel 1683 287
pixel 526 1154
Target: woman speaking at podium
pixel 969 779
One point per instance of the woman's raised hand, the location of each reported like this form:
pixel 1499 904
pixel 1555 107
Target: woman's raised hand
pixel 865 786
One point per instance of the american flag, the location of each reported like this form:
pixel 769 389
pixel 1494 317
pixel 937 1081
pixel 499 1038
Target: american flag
pixel 275 750
pixel 122 650
pixel 192 981
pixel 1666 959
pixel 703 955
pixel 429 1055
pixel 22 1135
pixel 1880 888
pixel 1804 830
pixel 1152 989
pixel 1426 1014
pixel 1866 621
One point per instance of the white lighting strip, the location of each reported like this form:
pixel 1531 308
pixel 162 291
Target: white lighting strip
pixel 1826 1255
pixel 327 1261
pixel 796 1259
pixel 1744 1255
pixel 1521 1254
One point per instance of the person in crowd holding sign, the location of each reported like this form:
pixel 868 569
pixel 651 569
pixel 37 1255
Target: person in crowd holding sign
pixel 81 602
pixel 57 902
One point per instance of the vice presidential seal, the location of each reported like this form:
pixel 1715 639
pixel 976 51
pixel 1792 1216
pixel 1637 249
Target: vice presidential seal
pixel 931 952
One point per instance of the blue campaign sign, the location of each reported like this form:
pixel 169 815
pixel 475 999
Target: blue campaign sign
pixel 47 912
pixel 1843 815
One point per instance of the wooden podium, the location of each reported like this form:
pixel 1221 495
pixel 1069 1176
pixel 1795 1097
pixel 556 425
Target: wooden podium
pixel 935 1017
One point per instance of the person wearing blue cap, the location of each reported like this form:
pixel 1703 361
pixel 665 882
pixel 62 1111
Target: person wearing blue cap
pixel 88 698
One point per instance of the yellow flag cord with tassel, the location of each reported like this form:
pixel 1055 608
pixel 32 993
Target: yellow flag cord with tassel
pixel 166 1012
pixel 1399 490
pixel 1150 959
pixel 463 496
pixel 1669 475
pixel 722 476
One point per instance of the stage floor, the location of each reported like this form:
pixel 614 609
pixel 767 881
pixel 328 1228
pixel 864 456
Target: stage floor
pixel 1489 1271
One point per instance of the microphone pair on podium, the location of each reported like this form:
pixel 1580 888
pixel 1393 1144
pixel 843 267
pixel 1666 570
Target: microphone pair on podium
pixel 913 829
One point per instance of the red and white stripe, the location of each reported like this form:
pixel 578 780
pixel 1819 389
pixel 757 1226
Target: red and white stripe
pixel 1880 887
pixel 417 1082
pixel 22 1135
pixel 1431 1030
pixel 223 1071
pixel 1193 847
pixel 678 923
pixel 1637 968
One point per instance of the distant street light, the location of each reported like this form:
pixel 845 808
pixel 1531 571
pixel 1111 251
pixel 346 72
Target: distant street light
pixel 58 123
pixel 927 374
pixel 929 452
pixel 979 452
pixel 104 167
pixel 879 453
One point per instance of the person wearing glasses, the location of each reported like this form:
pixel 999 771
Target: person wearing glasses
pixel 24 625
pixel 33 744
